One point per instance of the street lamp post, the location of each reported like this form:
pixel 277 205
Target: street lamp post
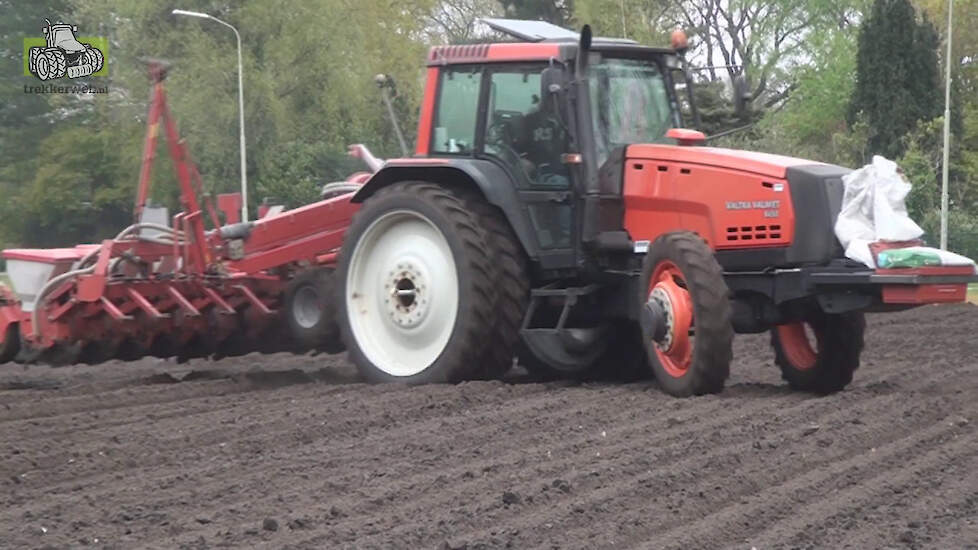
pixel 241 125
pixel 947 130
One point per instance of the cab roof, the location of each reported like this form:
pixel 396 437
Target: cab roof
pixel 538 41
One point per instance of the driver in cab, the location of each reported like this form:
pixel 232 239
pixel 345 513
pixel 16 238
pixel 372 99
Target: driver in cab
pixel 541 143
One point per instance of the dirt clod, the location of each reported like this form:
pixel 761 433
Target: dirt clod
pixel 562 485
pixel 269 524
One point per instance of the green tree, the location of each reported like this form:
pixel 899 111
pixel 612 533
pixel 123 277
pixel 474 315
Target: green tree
pixel 454 21
pixel 645 21
pixel 897 81
pixel 73 193
pixel 25 118
pixel 763 40
pixel 558 12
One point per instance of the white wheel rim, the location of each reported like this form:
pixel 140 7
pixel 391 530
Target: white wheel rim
pixel 306 310
pixel 402 293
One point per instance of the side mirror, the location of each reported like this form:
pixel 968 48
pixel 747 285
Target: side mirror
pixel 551 81
pixel 742 95
pixel 74 28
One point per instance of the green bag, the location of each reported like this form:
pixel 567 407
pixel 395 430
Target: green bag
pixel 907 257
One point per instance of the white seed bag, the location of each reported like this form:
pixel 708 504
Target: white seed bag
pixel 873 209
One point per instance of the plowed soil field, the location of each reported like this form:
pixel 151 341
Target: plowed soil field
pixel 293 452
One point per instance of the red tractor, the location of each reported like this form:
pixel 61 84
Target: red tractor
pixel 557 210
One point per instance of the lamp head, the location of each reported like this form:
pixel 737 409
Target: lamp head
pixel 191 14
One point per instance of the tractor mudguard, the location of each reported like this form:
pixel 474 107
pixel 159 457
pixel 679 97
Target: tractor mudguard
pixel 492 181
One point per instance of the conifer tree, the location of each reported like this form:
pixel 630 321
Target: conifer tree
pixel 897 75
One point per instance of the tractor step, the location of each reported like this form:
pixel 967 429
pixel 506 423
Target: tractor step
pixel 570 296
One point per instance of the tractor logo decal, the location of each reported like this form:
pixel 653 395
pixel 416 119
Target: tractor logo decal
pixel 60 53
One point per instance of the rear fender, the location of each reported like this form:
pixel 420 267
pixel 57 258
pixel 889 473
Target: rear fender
pixel 480 175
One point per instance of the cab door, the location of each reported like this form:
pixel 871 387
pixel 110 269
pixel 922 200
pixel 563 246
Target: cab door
pixel 523 130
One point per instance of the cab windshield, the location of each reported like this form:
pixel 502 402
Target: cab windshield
pixel 629 104
pixel 62 34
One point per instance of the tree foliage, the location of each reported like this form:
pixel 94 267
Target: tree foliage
pixel 764 40
pixel 558 12
pixel 897 81
pixel 309 93
pixel 823 89
pixel 455 21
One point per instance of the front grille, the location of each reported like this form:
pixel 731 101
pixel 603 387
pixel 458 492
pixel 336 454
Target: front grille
pixel 753 232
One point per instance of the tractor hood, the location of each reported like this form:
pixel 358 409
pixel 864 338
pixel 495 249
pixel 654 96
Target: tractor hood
pixel 737 189
pixel 764 164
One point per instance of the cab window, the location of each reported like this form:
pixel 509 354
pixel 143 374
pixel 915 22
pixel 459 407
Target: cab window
pixel 524 130
pixel 630 103
pixel 455 115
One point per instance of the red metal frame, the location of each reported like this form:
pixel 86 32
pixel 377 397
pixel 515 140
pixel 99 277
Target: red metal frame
pixel 926 293
pixel 427 112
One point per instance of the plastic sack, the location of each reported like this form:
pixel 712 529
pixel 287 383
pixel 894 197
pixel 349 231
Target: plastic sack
pixel 873 210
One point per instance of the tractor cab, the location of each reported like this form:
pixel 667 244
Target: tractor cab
pixel 63 36
pixel 541 99
pixel 545 116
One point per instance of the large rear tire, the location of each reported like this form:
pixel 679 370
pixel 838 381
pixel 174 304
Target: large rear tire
pixel 51 65
pixel 513 288
pixel 310 308
pixel 828 365
pixel 682 276
pixel 418 293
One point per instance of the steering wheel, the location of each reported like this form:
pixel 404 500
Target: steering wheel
pixel 498 136
pixel 498 133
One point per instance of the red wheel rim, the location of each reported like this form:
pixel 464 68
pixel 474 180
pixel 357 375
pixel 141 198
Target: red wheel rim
pixel 677 356
pixel 796 346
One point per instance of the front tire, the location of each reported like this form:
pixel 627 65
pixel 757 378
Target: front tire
pixel 96 58
pixel 827 366
pixel 418 295
pixel 692 355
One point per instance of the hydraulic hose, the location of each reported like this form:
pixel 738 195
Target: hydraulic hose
pixel 39 301
pixel 125 232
